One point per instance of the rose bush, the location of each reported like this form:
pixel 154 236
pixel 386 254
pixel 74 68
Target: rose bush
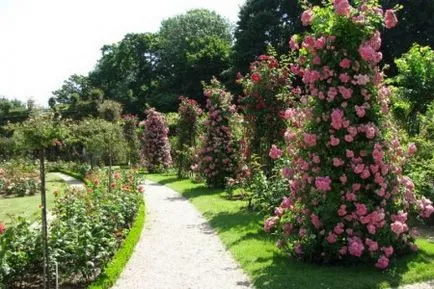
pixel 348 199
pixel 86 229
pixel 219 152
pixel 19 178
pixel 155 142
pixel 187 132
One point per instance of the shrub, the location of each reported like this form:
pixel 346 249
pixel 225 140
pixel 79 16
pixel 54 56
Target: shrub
pixel 266 94
pixel 155 142
pixel 187 132
pixel 131 137
pixel 86 229
pixel 19 177
pixel 348 200
pixel 415 86
pixel 219 152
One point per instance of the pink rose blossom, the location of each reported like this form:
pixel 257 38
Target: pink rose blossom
pixel 388 251
pixel 275 152
pixel 355 246
pixel 345 63
pixel 390 19
pixel 307 17
pixel 334 141
pixel 309 139
pixel 342 7
pixel 315 221
pixel 331 238
pixel 270 223
pixel 412 149
pixel 323 183
pixel 382 262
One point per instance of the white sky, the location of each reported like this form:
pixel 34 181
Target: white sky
pixel 42 42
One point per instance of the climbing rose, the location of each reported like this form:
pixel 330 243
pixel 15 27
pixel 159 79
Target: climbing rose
pixel 323 183
pixel 412 149
pixel 390 19
pixel 382 262
pixel 307 17
pixel 342 7
pixel 275 152
pixel 256 77
pixel 270 223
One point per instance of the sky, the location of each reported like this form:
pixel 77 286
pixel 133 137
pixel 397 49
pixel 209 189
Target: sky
pixel 43 42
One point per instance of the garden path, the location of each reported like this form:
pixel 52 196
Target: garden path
pixel 70 181
pixel 178 249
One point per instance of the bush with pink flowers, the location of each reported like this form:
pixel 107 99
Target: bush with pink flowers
pixel 266 95
pixel 219 152
pixel 347 200
pixel 187 132
pixel 155 142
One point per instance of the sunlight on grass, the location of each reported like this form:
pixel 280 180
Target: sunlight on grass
pixel 241 232
pixel 28 206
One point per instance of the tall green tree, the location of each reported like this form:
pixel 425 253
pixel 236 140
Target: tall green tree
pixel 192 47
pixel 126 71
pixel 76 87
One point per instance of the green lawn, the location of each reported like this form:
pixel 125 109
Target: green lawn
pixel 241 232
pixel 29 206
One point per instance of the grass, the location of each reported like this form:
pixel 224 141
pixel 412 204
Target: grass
pixel 113 269
pixel 241 232
pixel 28 206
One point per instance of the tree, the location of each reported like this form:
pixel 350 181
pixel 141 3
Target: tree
pixel 37 134
pixel 192 47
pixel 415 86
pixel 262 23
pixel 416 25
pixel 76 87
pixel 126 71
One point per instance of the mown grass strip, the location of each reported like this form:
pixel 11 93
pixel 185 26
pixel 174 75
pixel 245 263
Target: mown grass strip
pixel 114 268
pixel 241 232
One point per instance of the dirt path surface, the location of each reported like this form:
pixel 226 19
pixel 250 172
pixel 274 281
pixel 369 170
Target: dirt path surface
pixel 178 249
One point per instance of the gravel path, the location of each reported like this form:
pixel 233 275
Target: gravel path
pixel 70 181
pixel 178 249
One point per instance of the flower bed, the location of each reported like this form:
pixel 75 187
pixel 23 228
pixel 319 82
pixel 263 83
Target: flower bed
pixel 87 228
pixel 18 178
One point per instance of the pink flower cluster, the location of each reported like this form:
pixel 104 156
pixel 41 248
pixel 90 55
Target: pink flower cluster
pixel 347 197
pixel 155 142
pixel 219 154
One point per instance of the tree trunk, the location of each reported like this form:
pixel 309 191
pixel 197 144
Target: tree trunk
pixel 44 221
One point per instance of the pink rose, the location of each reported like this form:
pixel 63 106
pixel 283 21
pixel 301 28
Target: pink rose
pixel 382 262
pixel 390 19
pixel 342 7
pixel 323 183
pixel 307 17
pixel 275 152
pixel 355 246
pixel 412 149
pixel 309 139
pixel 270 223
pixel 315 221
pixel 331 238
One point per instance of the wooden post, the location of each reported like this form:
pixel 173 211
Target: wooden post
pixel 44 221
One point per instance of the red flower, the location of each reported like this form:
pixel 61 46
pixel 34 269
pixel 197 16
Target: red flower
pixel 256 77
pixel 2 228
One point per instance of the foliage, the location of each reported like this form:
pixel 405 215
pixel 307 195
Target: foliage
pixel 76 87
pixel 187 132
pixel 239 230
pixel 126 71
pixel 421 167
pixel 155 142
pixel 267 94
pixel 262 23
pixel 192 47
pixel 39 132
pixel 416 25
pixel 18 178
pixel 87 228
pixel 219 154
pixel 110 110
pixel 114 268
pixel 129 124
pixel 103 140
pixel 415 86
pixel 348 200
